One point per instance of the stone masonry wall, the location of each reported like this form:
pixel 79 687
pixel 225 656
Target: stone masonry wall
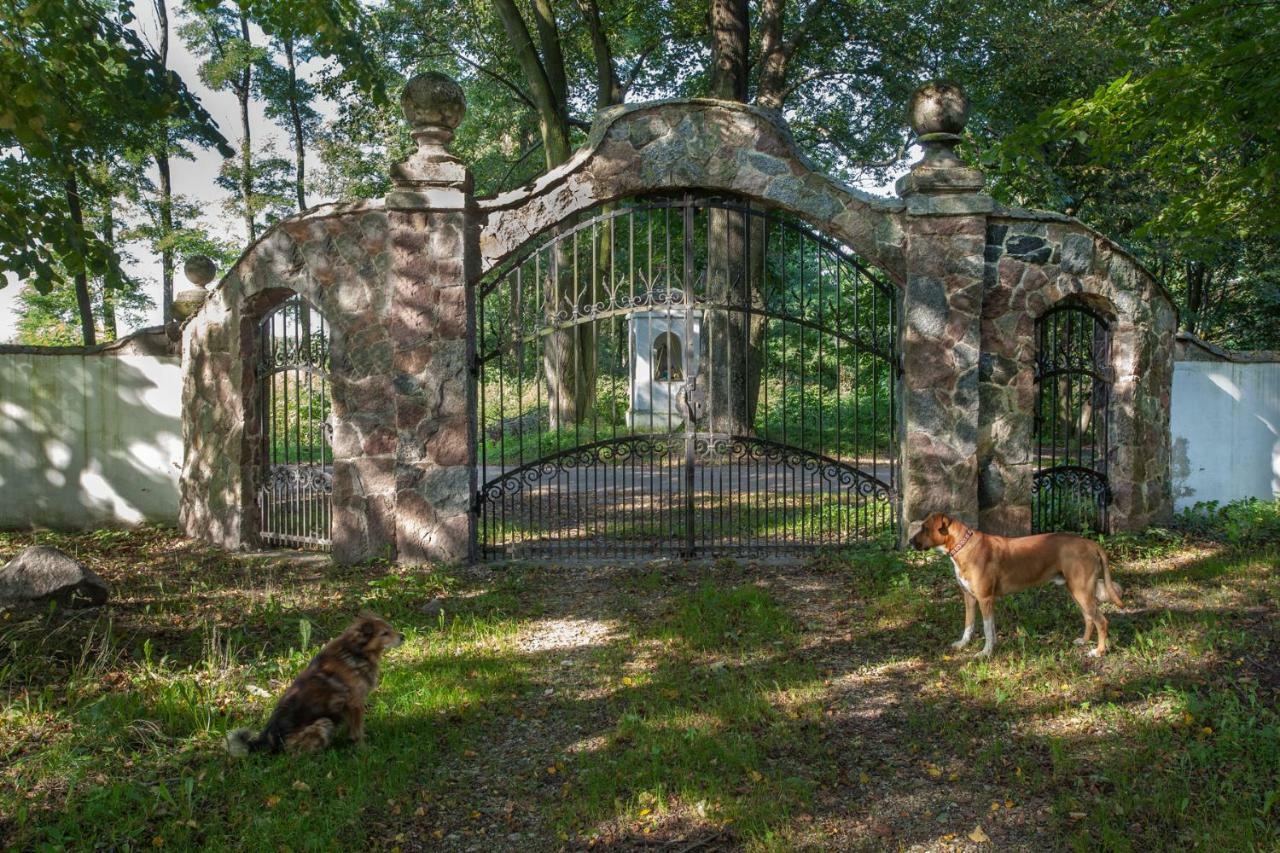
pixel 395 279
pixel 1033 261
pixel 698 145
pixel 336 257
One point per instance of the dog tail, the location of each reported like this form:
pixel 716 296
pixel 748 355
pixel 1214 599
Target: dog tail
pixel 1108 590
pixel 241 742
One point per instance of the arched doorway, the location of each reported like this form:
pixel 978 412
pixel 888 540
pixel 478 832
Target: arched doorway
pixel 294 482
pixel 779 432
pixel 1071 489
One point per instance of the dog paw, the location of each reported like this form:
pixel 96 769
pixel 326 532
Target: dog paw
pixel 985 653
pixel 959 644
pixel 1094 653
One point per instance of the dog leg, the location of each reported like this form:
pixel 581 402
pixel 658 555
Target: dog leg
pixel 970 605
pixel 1101 622
pixel 1088 630
pixel 988 607
pixel 1093 618
pixel 310 738
pixel 355 721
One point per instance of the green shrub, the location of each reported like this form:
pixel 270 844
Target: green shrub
pixel 1243 522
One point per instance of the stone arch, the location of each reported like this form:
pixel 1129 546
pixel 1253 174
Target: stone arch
pixel 396 279
pixel 329 256
pixel 1036 261
pixel 701 146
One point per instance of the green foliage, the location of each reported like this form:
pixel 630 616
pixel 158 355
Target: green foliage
pixel 53 319
pixel 1242 522
pixel 80 86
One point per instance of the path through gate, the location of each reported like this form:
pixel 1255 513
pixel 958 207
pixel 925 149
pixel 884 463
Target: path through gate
pixel 1071 490
pixel 690 376
pixel 295 481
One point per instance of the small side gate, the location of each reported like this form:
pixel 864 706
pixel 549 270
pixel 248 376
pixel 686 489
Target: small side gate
pixel 1071 490
pixel 295 474
pixel 692 376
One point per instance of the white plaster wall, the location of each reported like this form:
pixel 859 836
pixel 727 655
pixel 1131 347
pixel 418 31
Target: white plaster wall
pixel 1226 431
pixel 88 440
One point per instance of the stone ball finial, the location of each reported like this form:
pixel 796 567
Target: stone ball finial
pixel 199 270
pixel 433 101
pixel 938 107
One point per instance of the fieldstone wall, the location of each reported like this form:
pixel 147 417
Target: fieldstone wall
pixel 1033 261
pixel 395 279
pixel 698 145
pixel 336 256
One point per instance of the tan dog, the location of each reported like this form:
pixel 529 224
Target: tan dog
pixel 989 566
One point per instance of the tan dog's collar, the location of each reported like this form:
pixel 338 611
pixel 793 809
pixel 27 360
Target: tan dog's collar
pixel 968 534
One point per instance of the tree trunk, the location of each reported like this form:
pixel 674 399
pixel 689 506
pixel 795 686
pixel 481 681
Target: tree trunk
pixel 166 182
pixel 608 87
pixel 110 281
pixel 734 258
pixel 83 302
pixel 774 55
pixel 1196 275
pixel 299 151
pixel 552 119
pixel 569 354
pixel 243 93
pixel 730 32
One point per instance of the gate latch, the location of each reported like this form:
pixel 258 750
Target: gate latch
pixel 693 401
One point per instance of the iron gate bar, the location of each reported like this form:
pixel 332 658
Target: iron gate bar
pixel 1068 490
pixel 525 506
pixel 294 476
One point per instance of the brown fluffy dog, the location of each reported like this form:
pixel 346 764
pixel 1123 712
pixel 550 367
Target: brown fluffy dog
pixel 989 566
pixel 331 691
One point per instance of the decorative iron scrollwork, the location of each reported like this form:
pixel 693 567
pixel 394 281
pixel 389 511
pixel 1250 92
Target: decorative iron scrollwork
pixel 284 479
pixel 1073 479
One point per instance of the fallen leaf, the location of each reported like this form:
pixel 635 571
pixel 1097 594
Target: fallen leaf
pixel 1008 804
pixel 755 776
pixel 864 778
pixel 299 785
pixel 978 836
pixel 273 801
pixel 1077 815
pixel 645 812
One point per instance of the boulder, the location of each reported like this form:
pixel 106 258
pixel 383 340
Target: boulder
pixel 40 574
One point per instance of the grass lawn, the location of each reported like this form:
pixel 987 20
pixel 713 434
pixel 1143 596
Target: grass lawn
pixel 808 706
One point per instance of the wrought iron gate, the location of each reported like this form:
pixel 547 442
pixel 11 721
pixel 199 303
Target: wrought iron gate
pixel 691 375
pixel 295 483
pixel 1073 374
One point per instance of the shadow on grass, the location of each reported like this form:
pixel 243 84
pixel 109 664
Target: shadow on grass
pixel 709 711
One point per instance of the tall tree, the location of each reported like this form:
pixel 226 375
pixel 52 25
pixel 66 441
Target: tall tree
pixel 73 101
pixel 290 100
pixel 222 36
pixel 166 176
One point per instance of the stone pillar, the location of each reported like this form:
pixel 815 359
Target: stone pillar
pixel 941 314
pixel 431 252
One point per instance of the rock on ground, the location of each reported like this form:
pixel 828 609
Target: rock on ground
pixel 41 574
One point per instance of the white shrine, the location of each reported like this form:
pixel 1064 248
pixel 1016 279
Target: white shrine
pixel 661 365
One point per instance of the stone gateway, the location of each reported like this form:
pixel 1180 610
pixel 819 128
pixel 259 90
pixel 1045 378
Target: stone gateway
pixel 980 422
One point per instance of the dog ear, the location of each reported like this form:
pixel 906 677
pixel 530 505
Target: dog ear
pixel 368 623
pixel 943 524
